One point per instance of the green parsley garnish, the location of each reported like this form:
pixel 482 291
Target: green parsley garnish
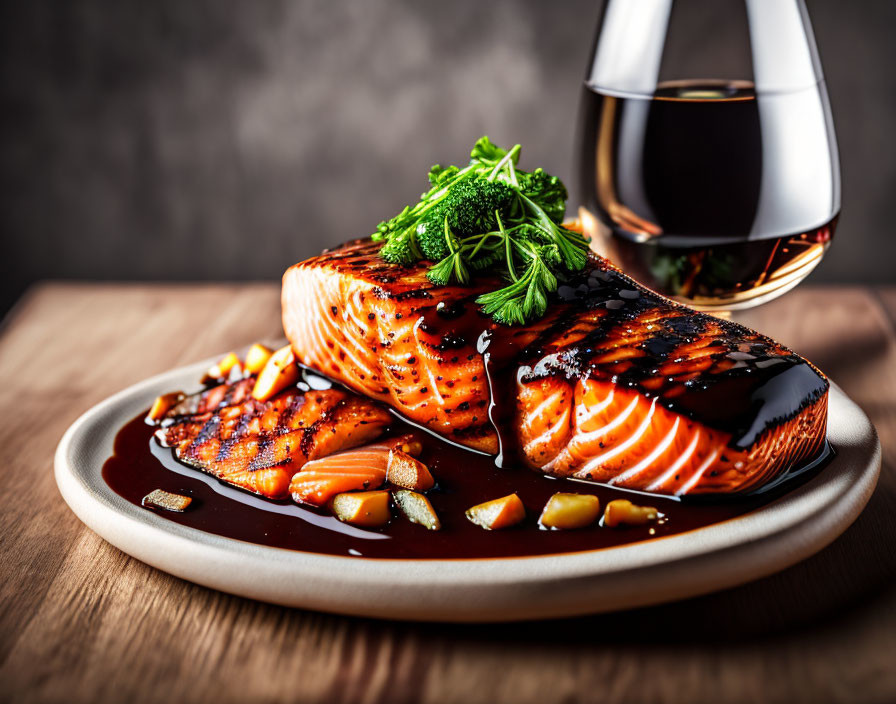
pixel 490 216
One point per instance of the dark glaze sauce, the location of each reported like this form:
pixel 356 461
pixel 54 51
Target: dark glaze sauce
pixel 140 465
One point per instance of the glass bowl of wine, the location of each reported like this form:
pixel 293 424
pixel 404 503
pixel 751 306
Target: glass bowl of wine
pixel 721 192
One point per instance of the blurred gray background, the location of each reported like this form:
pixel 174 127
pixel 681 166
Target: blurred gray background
pixel 188 139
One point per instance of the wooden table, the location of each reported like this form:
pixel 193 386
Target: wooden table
pixel 82 622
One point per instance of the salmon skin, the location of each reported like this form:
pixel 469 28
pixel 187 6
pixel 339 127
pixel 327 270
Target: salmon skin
pixel 258 446
pixel 616 384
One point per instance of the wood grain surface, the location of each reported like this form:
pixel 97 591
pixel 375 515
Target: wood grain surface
pixel 82 622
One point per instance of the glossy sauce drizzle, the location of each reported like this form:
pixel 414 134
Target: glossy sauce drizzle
pixel 140 465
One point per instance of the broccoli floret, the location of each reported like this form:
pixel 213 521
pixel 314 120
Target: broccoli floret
pixel 469 208
pixel 545 190
pixel 431 234
pixel 401 249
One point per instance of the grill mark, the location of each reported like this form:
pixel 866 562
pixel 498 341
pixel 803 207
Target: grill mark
pixel 309 433
pixel 225 448
pixel 211 430
pixel 239 432
pixel 286 415
pixel 264 442
pixel 258 465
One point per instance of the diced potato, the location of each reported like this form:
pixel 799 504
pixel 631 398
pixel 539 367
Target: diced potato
pixel 167 501
pixel 280 372
pixel 369 509
pixel 624 512
pixel 257 356
pixel 411 446
pixel 417 509
pixel 229 362
pixel 163 404
pixel 569 511
pixel 408 472
pixel 223 368
pixel 498 513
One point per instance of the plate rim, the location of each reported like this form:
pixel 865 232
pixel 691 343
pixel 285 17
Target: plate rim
pixel 787 530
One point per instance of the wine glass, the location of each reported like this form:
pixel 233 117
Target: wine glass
pixel 708 162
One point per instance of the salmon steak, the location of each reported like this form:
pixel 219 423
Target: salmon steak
pixel 615 384
pixel 259 446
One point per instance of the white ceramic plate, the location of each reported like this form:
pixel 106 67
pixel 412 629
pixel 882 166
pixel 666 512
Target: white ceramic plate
pixel 723 555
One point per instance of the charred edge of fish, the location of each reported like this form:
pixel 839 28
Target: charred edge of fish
pixel 309 433
pixel 210 430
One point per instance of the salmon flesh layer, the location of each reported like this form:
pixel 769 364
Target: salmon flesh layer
pixel 259 446
pixel 615 384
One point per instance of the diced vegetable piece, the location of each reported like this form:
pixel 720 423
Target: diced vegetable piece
pixel 257 356
pixel 163 404
pixel 498 513
pixel 624 512
pixel 369 509
pixel 417 509
pixel 411 446
pixel 280 372
pixel 223 368
pixel 570 511
pixel 408 472
pixel 166 500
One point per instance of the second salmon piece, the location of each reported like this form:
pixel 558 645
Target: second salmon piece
pixel 360 469
pixel 259 446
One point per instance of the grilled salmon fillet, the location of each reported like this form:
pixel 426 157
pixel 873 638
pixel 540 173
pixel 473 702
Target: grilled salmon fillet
pixel 615 384
pixel 259 446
